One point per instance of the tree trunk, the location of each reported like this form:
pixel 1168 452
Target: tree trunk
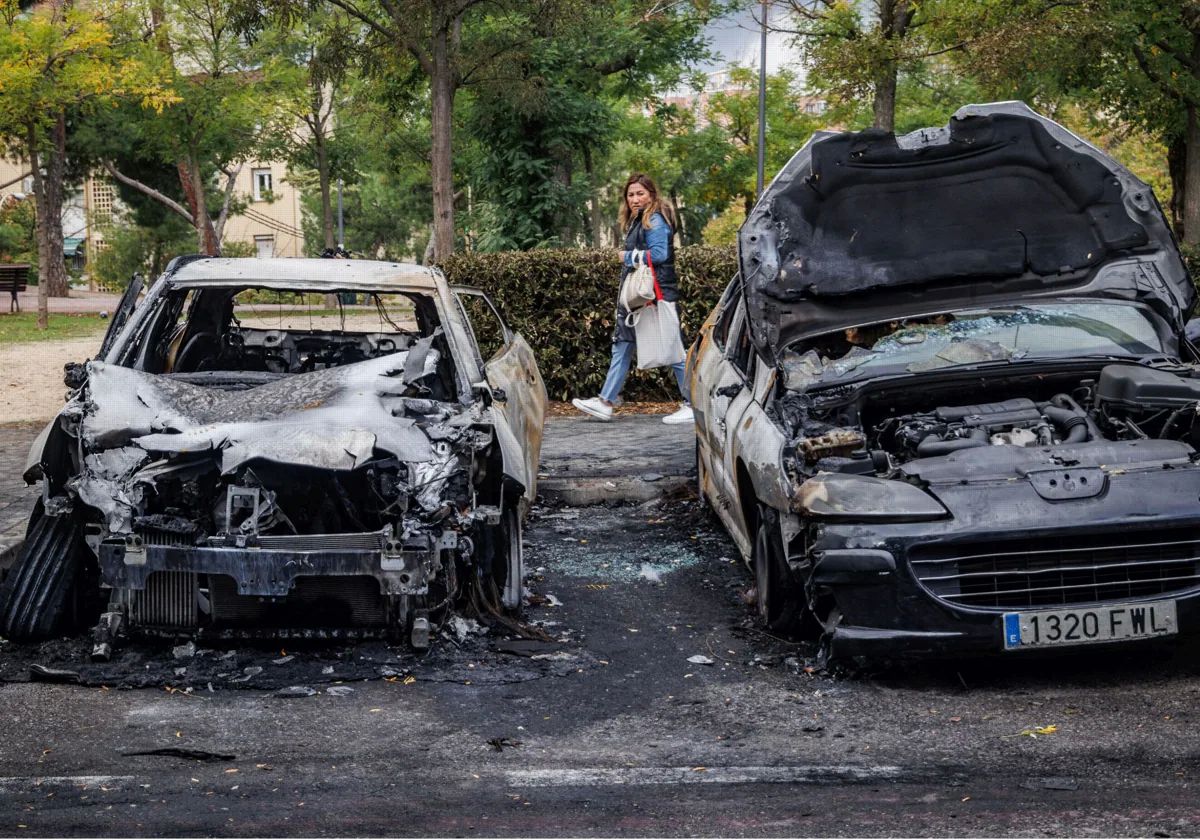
pixel 894 19
pixel 327 227
pixel 1191 181
pixel 595 217
pixel 193 190
pixel 884 104
pixel 1177 167
pixel 48 197
pixel 442 89
pixel 57 283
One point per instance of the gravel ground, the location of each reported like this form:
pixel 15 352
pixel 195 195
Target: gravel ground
pixel 31 386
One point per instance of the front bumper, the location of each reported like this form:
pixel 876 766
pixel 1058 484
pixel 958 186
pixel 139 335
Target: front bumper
pixel 270 566
pixel 892 606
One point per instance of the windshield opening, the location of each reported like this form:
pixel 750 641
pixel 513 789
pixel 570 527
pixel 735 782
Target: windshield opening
pixel 208 334
pixel 963 337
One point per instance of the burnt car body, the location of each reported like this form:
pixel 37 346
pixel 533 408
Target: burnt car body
pixel 948 406
pixel 234 462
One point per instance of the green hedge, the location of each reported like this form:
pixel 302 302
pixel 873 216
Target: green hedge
pixel 563 301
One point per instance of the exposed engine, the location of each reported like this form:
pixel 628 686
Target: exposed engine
pixel 880 429
pixel 1015 422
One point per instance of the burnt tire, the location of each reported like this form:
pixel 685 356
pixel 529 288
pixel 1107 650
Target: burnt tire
pixel 39 594
pixel 509 567
pixel 779 599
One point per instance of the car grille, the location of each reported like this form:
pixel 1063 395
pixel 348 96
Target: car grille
pixel 1056 570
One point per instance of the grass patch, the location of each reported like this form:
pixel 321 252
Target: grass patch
pixel 19 327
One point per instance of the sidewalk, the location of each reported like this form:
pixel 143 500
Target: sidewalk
pixel 630 458
pixel 81 302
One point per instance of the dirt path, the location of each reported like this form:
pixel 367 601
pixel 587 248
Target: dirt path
pixel 31 386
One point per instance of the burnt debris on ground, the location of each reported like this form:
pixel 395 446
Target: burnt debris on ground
pixel 575 555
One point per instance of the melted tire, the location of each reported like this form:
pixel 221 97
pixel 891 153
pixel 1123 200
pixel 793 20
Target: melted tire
pixel 779 600
pixel 512 582
pixel 39 590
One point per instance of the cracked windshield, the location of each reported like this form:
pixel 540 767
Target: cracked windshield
pixel 976 335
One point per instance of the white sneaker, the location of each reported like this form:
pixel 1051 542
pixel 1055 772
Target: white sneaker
pixel 596 407
pixel 683 414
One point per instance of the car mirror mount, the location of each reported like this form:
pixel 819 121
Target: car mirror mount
pixel 483 389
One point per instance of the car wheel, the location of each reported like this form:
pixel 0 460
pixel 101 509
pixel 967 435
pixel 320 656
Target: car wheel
pixel 38 592
pixel 509 564
pixel 701 475
pixel 778 599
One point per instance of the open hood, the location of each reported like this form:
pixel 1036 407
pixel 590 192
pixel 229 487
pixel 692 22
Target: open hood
pixel 1000 205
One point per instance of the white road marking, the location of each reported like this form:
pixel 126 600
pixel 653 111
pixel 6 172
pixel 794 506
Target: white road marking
pixel 600 776
pixel 22 783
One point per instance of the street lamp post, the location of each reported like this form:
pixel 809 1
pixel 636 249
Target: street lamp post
pixel 762 102
pixel 341 243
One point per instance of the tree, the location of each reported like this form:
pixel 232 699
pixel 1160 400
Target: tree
pixel 1136 61
pixel 319 55
pixel 858 48
pixel 708 166
pixel 225 109
pixel 57 63
pixel 544 128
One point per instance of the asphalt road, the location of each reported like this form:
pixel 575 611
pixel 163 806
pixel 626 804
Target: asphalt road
pixel 613 731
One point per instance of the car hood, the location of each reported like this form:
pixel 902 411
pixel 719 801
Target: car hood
pixel 999 205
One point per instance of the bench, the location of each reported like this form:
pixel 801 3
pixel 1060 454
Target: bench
pixel 13 278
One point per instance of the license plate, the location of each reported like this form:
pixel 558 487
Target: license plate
pixel 1049 628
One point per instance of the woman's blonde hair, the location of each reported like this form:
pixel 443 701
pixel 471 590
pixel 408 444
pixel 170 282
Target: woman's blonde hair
pixel 655 206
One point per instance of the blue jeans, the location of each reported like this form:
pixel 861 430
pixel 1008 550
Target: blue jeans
pixel 622 358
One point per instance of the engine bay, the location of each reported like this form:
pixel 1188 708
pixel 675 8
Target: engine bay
pixel 875 429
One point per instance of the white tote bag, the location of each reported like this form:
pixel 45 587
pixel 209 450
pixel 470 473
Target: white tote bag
pixel 656 328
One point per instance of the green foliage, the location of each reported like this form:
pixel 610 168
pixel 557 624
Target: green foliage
pixel 1191 259
pixel 542 128
pixel 563 303
pixel 141 249
pixel 18 234
pixel 723 229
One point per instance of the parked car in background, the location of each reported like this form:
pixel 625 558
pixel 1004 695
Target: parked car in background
pixel 240 458
pixel 948 406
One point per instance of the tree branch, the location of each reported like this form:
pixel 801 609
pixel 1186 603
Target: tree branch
pixel 19 178
pixel 231 180
pixel 166 201
pixel 1156 78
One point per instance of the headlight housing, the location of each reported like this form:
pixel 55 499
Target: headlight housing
pixel 863 498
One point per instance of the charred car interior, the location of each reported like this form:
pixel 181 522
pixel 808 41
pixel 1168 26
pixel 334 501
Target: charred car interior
pixel 246 458
pixel 948 406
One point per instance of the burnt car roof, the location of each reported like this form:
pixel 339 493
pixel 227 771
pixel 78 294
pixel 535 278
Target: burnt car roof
pixel 318 274
pixel 1000 204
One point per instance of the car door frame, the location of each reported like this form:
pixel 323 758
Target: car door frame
pixel 723 413
pixel 516 393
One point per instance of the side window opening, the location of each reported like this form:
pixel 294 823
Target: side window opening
pixel 728 307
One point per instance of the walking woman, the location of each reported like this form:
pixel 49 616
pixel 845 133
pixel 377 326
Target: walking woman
pixel 649 227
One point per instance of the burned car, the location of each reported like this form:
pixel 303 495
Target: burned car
pixel 284 445
pixel 948 406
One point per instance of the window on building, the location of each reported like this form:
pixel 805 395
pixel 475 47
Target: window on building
pixel 264 246
pixel 262 183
